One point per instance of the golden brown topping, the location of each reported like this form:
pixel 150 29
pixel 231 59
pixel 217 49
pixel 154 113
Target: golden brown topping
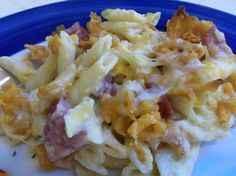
pixel 94 29
pixel 223 112
pixel 225 109
pixel 145 121
pixel 233 80
pixel 52 91
pixel 58 29
pixel 147 106
pixel 44 161
pixel 153 133
pixel 228 88
pixel 15 109
pixel 108 109
pixel 54 43
pixel 121 124
pixel 187 27
pixel 94 24
pixel 37 52
pixel 193 92
pixel 211 86
pixel 171 49
pixel 130 104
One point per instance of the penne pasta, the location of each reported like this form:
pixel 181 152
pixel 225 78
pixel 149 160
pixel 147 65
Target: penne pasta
pixel 67 51
pixel 90 79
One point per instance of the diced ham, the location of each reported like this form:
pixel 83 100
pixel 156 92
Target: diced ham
pixel 57 144
pixel 79 30
pixel 59 108
pixel 106 86
pixel 163 103
pixel 165 107
pixel 216 44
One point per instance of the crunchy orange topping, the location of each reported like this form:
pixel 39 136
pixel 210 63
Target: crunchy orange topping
pixel 54 43
pixel 44 161
pixel 147 106
pixel 94 31
pixel 128 118
pixel 52 91
pixel 110 113
pixel 228 88
pixel 233 80
pixel 223 112
pixel 94 24
pixel 143 122
pixel 148 135
pixel 170 45
pixel 37 52
pixel 16 109
pixel 153 132
pixel 194 91
pixel 58 29
pixel 108 109
pixel 129 103
pixel 160 127
pixel 211 86
pixel 187 27
pixel 225 109
pixel 232 104
pixel 121 124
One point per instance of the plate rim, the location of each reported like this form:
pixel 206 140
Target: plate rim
pixel 19 23
pixel 24 12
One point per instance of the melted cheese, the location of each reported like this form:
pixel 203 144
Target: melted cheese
pixel 82 118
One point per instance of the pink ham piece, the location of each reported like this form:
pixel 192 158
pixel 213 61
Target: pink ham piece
pixel 80 31
pixel 216 44
pixel 106 86
pixel 57 144
pixel 165 107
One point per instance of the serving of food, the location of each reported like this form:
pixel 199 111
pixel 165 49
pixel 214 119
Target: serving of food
pixel 121 94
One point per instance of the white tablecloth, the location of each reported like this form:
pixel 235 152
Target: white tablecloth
pixel 8 7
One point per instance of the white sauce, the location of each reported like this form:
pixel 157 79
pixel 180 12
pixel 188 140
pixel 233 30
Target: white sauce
pixel 151 93
pixel 226 68
pixel 231 120
pixel 133 86
pixel 94 130
pixel 145 94
pixel 194 64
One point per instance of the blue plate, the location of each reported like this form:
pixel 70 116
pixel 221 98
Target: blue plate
pixel 33 25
